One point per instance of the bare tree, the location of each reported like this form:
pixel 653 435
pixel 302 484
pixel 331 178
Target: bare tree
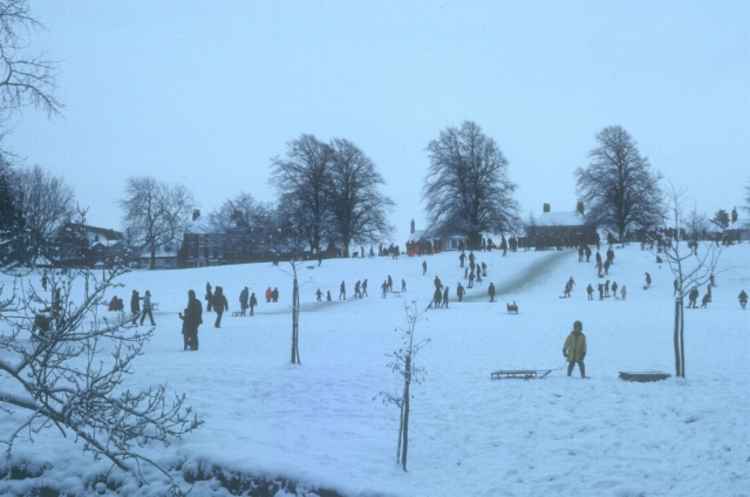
pixel 746 207
pixel 403 364
pixel 303 180
pixel 156 214
pixel 697 225
pixel 12 247
pixel 296 360
pixel 467 190
pixel 359 207
pixel 24 79
pixel 65 367
pixel 690 269
pixel 618 186
pixel 46 204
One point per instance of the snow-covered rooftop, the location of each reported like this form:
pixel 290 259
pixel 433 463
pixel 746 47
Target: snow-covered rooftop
pixel 560 219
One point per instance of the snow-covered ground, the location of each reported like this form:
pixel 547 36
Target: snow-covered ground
pixel 470 436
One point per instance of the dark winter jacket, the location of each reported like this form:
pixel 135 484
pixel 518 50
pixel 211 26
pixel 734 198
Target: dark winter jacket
pixel 193 316
pixel 220 303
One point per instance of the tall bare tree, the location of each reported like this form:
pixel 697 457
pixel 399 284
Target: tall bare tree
pixel 359 207
pixel 467 190
pixel 65 367
pixel 690 269
pixel 25 79
pixel 156 214
pixel 46 203
pixel 303 179
pixel 618 186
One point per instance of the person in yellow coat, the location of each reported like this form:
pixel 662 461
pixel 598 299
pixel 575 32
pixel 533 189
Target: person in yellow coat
pixel 574 349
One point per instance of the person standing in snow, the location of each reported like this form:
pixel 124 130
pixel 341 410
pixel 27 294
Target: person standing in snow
pixel 319 295
pixel 693 298
pixel 403 285
pixel 614 289
pixel 244 297
pixel 491 292
pixel 574 349
pixel 623 292
pixel 460 292
pixel 462 259
pixel 342 291
pixel 364 285
pixel 590 292
pixel 424 268
pixel 648 282
pixel 191 320
pixel 743 299
pixel 328 296
pixel 147 309
pixel 253 303
pixel 275 294
pixel 437 298
pixel 209 297
pixel 445 297
pixel 357 290
pixel 135 306
pixel 219 305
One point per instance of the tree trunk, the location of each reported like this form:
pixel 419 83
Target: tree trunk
pixel 682 338
pixel 400 434
pixel 295 323
pixel 677 361
pixel 405 403
pixel 405 441
pixel 152 259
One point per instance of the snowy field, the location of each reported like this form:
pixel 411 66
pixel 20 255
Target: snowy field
pixel 470 436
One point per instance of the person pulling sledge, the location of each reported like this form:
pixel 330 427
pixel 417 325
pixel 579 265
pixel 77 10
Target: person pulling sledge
pixel 574 349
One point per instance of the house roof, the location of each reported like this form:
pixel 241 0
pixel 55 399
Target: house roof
pixel 560 219
pixel 198 228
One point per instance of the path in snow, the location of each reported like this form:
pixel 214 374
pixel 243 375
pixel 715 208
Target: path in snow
pixel 532 275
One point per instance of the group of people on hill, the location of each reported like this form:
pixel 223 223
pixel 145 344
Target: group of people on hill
pixel 606 290
pixel 247 300
pixel 360 290
pixel 136 310
pixel 473 271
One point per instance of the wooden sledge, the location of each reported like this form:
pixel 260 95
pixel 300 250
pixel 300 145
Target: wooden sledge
pixel 644 376
pixel 520 374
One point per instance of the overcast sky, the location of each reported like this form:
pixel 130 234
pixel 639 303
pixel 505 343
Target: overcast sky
pixel 206 93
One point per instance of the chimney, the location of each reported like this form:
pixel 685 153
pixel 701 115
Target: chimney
pixel 546 207
pixel 579 208
pixel 196 214
pixel 412 227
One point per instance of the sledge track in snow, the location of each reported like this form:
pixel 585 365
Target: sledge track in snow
pixel 526 279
